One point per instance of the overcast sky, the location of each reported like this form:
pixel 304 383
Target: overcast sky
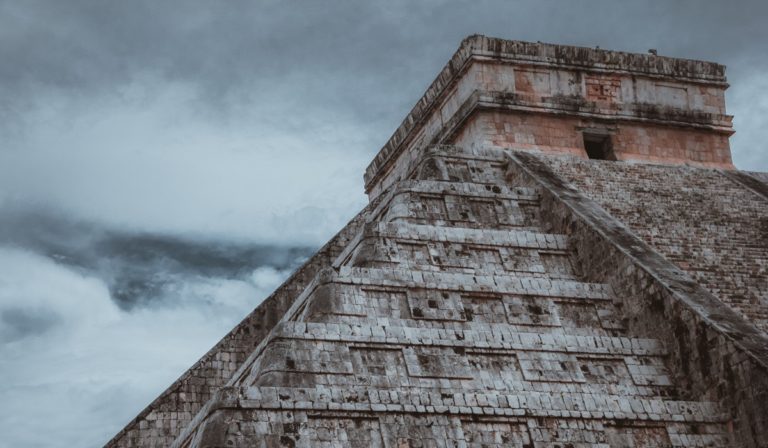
pixel 162 162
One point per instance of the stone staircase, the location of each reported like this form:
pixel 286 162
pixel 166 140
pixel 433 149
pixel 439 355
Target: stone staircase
pixel 455 319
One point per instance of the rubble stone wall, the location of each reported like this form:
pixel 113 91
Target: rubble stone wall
pixel 715 354
pixel 711 226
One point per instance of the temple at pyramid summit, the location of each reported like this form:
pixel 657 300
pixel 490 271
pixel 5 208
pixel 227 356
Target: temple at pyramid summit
pixel 558 252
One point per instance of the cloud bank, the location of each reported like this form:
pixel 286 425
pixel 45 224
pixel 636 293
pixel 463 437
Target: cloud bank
pixel 86 343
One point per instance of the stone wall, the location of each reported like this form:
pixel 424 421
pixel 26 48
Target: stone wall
pixel 523 132
pixel 715 354
pixel 711 226
pixel 563 135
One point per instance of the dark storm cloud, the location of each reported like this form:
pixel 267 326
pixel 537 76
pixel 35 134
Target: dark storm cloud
pixel 234 52
pixel 139 269
pixel 222 46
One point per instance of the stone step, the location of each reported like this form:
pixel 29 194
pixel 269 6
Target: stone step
pixel 470 189
pixel 350 428
pixel 339 300
pixel 451 402
pixel 454 249
pixel 486 237
pixel 333 354
pixel 481 381
pixel 455 164
pixel 454 204
pixel 481 336
pixel 511 283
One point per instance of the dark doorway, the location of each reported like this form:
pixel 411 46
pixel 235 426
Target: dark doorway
pixel 598 146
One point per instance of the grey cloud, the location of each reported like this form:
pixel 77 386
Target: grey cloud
pixel 362 63
pixel 71 358
pixel 96 321
pixel 139 269
pixel 85 43
pixel 18 323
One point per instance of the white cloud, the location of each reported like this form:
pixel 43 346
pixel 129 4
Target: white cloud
pixel 149 159
pixel 92 367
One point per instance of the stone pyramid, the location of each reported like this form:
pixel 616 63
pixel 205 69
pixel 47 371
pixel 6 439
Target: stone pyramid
pixel 482 299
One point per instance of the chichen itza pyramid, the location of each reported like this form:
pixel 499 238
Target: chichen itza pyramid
pixel 557 252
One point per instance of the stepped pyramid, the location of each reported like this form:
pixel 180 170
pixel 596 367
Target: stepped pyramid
pixel 557 252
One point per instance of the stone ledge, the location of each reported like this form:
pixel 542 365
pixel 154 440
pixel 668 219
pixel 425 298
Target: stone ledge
pixel 595 58
pixel 494 337
pixel 468 189
pixel 491 237
pixel 449 401
pixel 632 112
pixel 325 402
pixel 501 284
